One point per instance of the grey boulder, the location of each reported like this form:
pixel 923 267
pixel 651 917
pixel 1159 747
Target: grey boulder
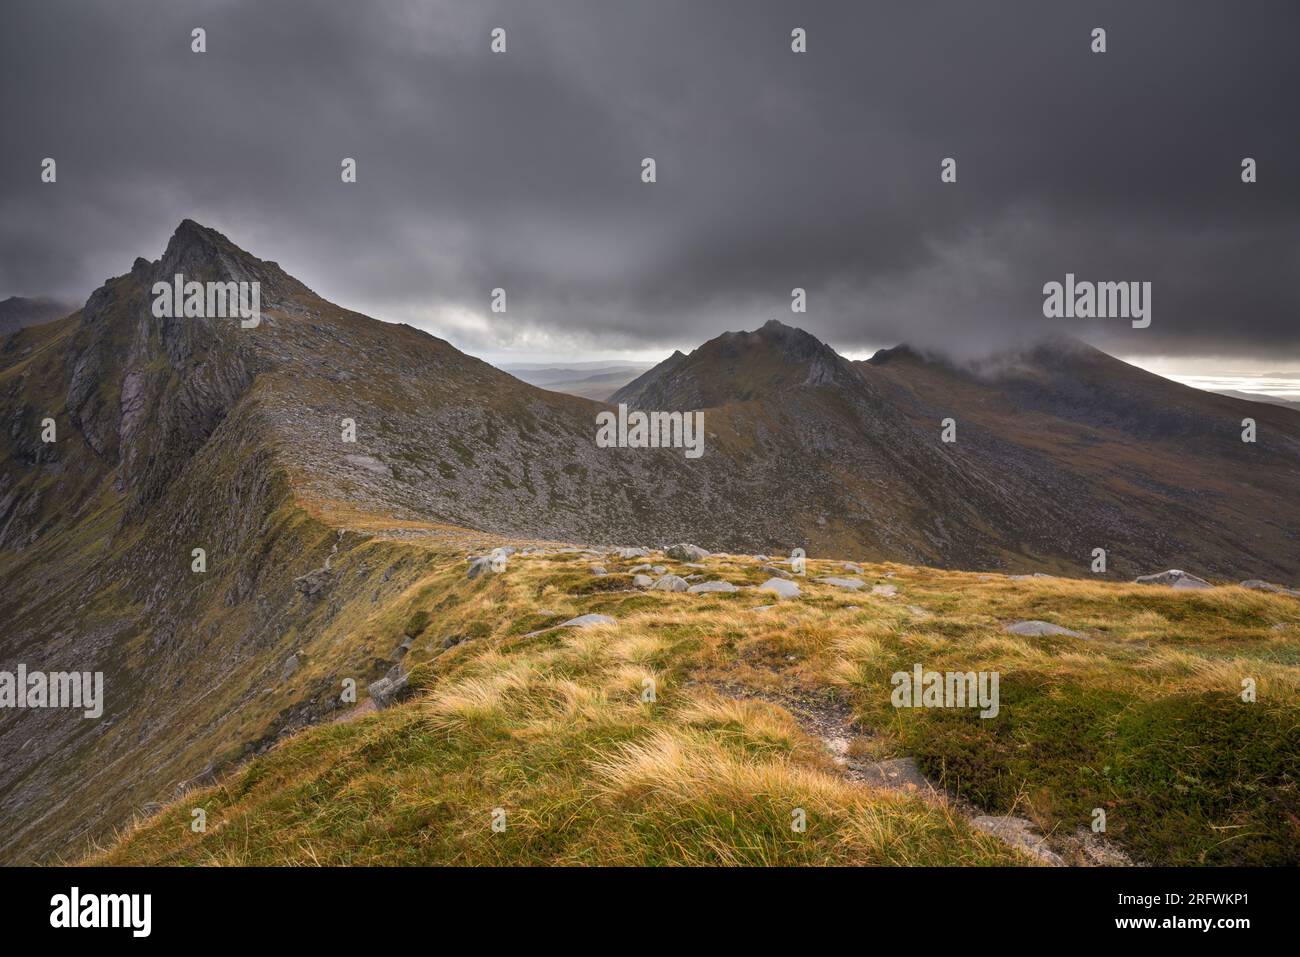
pixel 1259 585
pixel 782 587
pixel 853 584
pixel 1174 578
pixel 390 687
pixel 702 587
pixel 670 583
pixel 686 553
pixel 1037 629
pixel 587 621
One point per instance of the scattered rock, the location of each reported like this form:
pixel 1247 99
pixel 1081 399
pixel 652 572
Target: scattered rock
pixel 1098 851
pixel 1037 629
pixel 642 581
pixel 851 583
pixel 369 463
pixel 670 583
pixel 314 582
pixel 390 687
pixel 782 587
pixel 702 587
pixel 778 572
pixel 895 774
pixel 1174 578
pixel 885 591
pixel 686 553
pixel 587 621
pixel 1259 585
pixel 631 553
pixel 1018 833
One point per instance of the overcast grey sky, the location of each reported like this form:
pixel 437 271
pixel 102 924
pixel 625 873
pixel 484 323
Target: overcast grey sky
pixel 775 169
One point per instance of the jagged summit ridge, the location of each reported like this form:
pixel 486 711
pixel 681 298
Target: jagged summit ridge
pixel 201 253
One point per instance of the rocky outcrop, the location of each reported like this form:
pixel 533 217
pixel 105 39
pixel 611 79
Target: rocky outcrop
pixel 1257 584
pixel 1174 578
pixel 670 583
pixel 391 687
pixel 686 553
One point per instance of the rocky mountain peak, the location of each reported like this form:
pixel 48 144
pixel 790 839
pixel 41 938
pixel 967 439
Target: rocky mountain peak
pixel 740 366
pixel 201 253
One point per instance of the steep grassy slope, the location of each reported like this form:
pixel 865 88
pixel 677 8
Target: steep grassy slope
pixel 1142 717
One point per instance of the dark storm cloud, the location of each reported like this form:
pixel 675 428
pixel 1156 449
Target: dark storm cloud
pixel 775 170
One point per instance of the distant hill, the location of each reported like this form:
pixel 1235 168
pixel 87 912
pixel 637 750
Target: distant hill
pixel 17 312
pixel 1259 397
pixel 590 380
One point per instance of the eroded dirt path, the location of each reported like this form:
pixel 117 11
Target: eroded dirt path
pixel 829 719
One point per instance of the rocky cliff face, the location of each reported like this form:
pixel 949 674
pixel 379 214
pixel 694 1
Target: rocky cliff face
pixel 309 455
